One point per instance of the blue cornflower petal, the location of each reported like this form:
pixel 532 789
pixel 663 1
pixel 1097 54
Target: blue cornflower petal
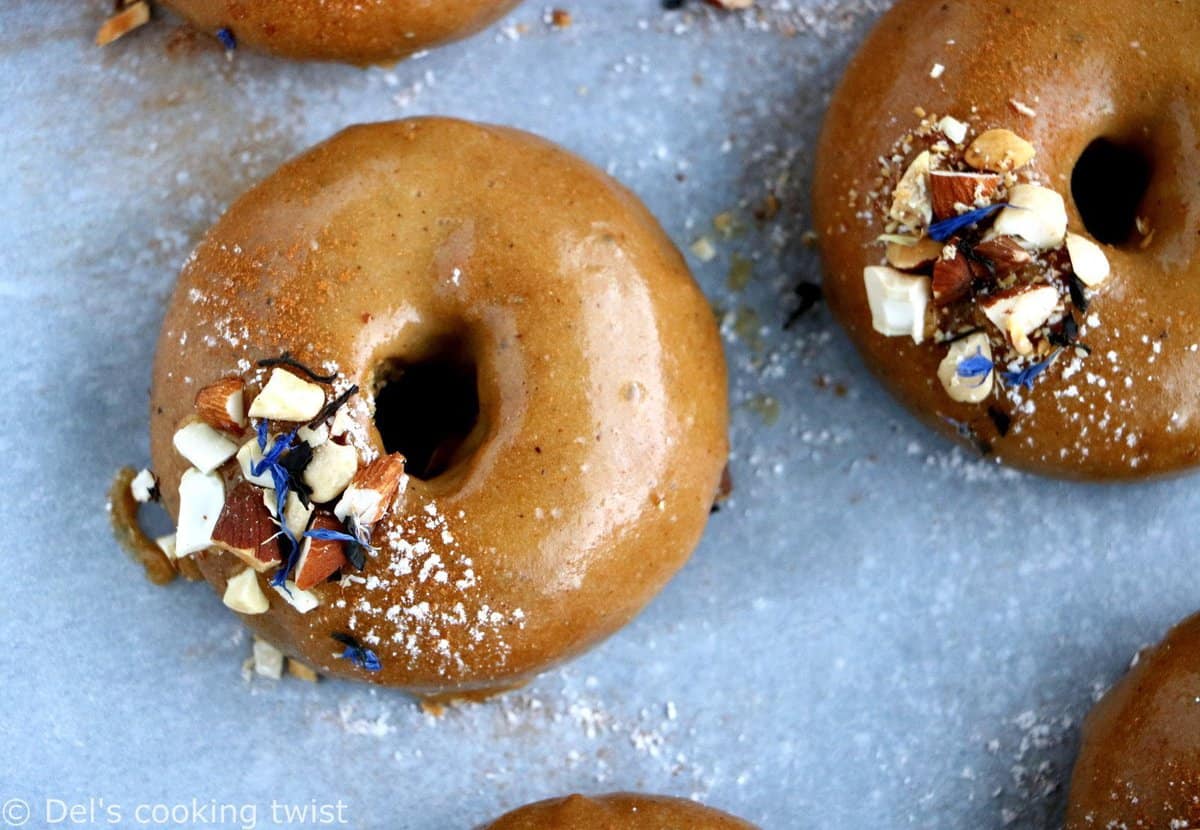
pixel 261 429
pixel 946 228
pixel 330 535
pixel 227 38
pixel 364 658
pixel 975 366
pixel 271 457
pixel 1025 377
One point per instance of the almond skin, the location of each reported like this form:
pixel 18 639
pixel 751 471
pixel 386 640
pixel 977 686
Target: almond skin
pixel 951 280
pixel 221 405
pixel 320 558
pixel 245 528
pixel 1005 254
pixel 371 492
pixel 947 190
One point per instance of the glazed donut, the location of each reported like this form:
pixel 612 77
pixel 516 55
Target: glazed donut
pixel 618 811
pixel 1139 761
pixel 350 31
pixel 499 314
pixel 1007 201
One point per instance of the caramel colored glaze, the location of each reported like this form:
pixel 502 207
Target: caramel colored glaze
pixel 619 811
pixel 603 417
pixel 1127 71
pixel 360 32
pixel 1139 763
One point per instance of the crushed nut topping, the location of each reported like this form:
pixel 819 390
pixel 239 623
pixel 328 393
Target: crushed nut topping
pixel 979 259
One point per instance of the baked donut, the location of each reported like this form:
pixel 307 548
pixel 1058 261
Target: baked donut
pixel 1007 200
pixel 484 365
pixel 351 31
pixel 618 811
pixel 1139 762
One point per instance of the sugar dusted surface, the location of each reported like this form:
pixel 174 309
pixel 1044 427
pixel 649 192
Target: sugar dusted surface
pixel 878 630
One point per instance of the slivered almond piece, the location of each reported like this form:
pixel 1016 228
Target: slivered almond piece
pixel 963 388
pixel 245 529
pixel 1088 260
pixel 302 671
pixel 999 151
pixel 320 558
pixel 948 191
pixel 123 22
pixel 222 405
pixel 911 207
pixel 370 494
pixel 951 280
pixel 288 397
pixel 1021 311
pixel 907 257
pixel 1036 215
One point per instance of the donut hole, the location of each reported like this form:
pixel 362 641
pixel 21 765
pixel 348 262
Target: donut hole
pixel 1108 184
pixel 427 410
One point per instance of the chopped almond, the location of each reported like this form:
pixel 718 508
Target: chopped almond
pixel 320 558
pixel 222 406
pixel 956 193
pixel 245 529
pixel 370 495
pixel 133 16
pixel 951 280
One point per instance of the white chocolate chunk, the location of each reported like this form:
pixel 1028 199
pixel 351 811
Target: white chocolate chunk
pixel 898 301
pixel 204 447
pixel 287 397
pixel 953 129
pixel 268 660
pixel 1087 260
pixel 244 595
pixel 201 499
pixel 314 437
pixel 302 601
pixel 295 513
pixel 167 545
pixel 143 485
pixel 247 457
pixel 341 424
pixel 911 205
pixel 967 389
pixel 1020 312
pixel 1036 216
pixel 331 470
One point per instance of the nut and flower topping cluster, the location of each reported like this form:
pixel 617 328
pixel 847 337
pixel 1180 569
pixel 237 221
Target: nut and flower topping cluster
pixel 979 259
pixel 278 484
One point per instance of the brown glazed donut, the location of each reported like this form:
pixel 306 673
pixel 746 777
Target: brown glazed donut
pixel 519 327
pixel 360 32
pixel 618 811
pixel 1139 762
pixel 1059 334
